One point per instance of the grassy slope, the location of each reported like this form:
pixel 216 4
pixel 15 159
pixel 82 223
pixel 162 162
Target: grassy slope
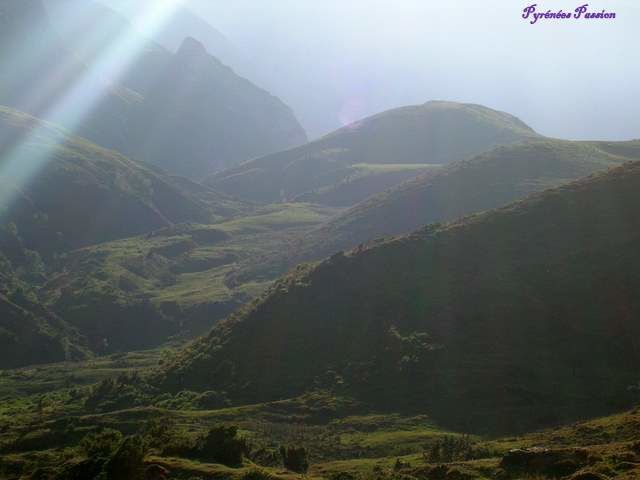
pixel 44 415
pixel 81 194
pixel 487 181
pixel 410 135
pixel 138 292
pixel 497 311
pixel 29 332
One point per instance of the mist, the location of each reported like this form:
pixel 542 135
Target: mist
pixel 334 62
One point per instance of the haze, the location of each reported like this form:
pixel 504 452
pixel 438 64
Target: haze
pixel 336 61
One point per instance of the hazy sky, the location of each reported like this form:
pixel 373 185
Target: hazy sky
pixel 334 61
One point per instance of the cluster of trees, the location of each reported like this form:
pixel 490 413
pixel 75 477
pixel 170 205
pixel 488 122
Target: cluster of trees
pixel 449 449
pixel 295 459
pixel 220 444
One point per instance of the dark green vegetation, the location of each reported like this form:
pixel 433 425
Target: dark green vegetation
pixel 405 359
pixel 59 303
pixel 55 422
pixel 489 180
pixel 376 153
pixel 78 194
pixel 185 111
pixel 528 313
pixel 177 281
pixel 73 194
pixel 29 332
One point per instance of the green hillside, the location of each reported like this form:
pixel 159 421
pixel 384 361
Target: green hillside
pixel 29 332
pixel 54 417
pixel 174 282
pixel 430 134
pixel 487 181
pixel 509 320
pixel 71 193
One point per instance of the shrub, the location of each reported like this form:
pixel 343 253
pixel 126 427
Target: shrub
pixel 222 445
pixel 450 449
pixel 128 461
pixel 295 459
pixel 257 474
pixel 101 444
pixel 162 435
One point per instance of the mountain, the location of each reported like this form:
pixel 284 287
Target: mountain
pixel 174 282
pixel 507 320
pixel 42 76
pixel 186 112
pixel 63 192
pixel 29 332
pixel 489 180
pixel 104 31
pixel 183 23
pixel 376 153
pixel 200 117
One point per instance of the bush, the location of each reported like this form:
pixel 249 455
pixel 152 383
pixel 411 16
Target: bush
pixel 295 459
pixel 167 439
pixel 450 449
pixel 222 445
pixel 128 461
pixel 257 474
pixel 101 444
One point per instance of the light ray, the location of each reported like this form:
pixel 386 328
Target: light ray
pixel 20 162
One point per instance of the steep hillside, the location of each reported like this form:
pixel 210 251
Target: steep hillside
pixel 509 320
pixel 102 30
pixel 29 332
pixel 185 112
pixel 177 281
pixel 41 75
pixel 425 135
pixel 199 117
pixel 184 23
pixel 487 181
pixel 64 192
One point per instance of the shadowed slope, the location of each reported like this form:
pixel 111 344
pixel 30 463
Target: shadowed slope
pixel 430 134
pixel 508 320
pixel 487 181
pixel 80 194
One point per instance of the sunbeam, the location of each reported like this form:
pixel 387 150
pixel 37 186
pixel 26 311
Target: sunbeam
pixel 69 101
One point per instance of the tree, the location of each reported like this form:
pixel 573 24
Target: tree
pixel 128 461
pixel 295 459
pixel 222 445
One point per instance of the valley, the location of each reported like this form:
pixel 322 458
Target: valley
pixel 193 288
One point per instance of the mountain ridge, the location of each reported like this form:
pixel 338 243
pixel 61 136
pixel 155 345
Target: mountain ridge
pixel 425 135
pixel 432 313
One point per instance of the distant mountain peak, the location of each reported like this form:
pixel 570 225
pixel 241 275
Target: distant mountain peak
pixel 191 47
